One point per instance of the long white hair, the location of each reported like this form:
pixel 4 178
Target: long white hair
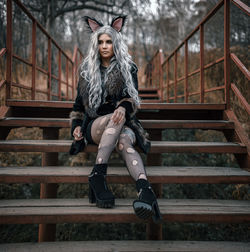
pixel 90 67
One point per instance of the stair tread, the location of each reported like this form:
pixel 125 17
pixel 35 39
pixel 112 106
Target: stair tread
pixel 156 146
pixel 128 246
pixel 148 95
pixel 156 174
pixel 80 210
pixel 69 104
pixel 147 124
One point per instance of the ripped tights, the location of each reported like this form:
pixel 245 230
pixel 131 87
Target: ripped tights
pixel 108 136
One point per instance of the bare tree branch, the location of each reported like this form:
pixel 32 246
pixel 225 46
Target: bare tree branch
pixel 80 7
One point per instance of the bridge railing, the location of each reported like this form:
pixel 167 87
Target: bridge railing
pixel 183 74
pixel 54 81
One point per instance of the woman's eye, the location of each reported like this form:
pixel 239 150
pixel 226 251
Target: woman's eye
pixel 109 42
pixel 99 42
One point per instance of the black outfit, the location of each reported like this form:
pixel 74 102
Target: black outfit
pixel 114 95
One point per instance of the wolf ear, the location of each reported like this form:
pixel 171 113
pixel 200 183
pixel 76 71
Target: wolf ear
pixel 118 22
pixel 92 23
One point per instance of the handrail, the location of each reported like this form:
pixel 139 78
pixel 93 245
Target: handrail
pixel 241 98
pixel 3 51
pixel 68 69
pixel 240 65
pixel 242 6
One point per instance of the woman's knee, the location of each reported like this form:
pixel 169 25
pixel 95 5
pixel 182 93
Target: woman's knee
pixel 125 144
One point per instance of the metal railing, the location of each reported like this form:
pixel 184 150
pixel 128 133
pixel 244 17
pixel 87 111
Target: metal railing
pixel 65 88
pixel 158 71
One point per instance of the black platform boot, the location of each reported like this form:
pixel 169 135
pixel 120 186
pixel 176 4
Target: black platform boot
pixel 98 189
pixel 146 206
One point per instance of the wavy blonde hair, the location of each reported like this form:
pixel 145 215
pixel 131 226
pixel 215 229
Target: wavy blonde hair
pixel 90 67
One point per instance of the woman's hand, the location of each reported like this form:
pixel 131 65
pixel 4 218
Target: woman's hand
pixel 118 115
pixel 77 133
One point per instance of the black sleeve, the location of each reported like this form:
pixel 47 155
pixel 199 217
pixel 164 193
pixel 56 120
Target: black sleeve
pixel 77 114
pixel 126 101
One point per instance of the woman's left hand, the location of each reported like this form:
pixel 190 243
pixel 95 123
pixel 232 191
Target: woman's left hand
pixel 118 115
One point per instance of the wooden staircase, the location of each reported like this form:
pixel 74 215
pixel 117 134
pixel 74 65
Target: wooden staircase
pixel 149 94
pixel 155 118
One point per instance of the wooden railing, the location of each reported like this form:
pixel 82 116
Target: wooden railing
pixel 158 71
pixel 65 78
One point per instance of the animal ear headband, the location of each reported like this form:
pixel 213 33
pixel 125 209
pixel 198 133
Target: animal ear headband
pixel 117 23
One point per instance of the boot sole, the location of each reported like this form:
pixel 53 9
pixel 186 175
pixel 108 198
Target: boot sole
pixel 146 211
pixel 142 209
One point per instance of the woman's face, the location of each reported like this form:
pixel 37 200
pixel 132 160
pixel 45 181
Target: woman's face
pixel 105 47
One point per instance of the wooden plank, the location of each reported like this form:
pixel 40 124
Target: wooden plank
pixel 149 96
pixel 241 136
pixel 128 246
pixel 4 111
pixel 81 211
pixel 187 124
pixel 147 124
pixel 182 106
pixel 156 146
pixel 67 104
pixel 156 174
pixel 148 90
pixel 34 122
pixel 148 110
pixel 150 101
pixel 39 104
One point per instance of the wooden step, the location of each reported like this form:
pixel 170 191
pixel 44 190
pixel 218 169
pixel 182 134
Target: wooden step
pixel 81 211
pixel 156 174
pixel 147 124
pixel 67 104
pixel 150 101
pixel 128 246
pixel 148 110
pixel 147 90
pixel 156 146
pixel 151 96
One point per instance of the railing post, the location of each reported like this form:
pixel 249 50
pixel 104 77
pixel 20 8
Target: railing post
pixel 201 63
pixel 167 79
pixel 49 69
pixel 59 75
pixel 175 76
pixel 186 71
pixel 9 50
pixel 33 91
pixel 67 79
pixel 227 52
pixel 161 74
pixel 47 232
pixel 73 84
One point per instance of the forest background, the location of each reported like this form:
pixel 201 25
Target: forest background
pixel 150 25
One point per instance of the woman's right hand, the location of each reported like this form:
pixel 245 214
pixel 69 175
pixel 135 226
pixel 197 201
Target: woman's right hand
pixel 77 133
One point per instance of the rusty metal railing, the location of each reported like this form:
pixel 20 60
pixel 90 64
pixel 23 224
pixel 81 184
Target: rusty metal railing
pixel 65 89
pixel 167 71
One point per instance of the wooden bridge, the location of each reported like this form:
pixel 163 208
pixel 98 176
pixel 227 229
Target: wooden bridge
pixel 164 106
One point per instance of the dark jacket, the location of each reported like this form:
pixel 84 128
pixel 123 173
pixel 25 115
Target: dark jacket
pixel 82 115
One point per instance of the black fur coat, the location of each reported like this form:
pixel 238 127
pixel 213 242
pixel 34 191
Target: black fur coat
pixel 114 97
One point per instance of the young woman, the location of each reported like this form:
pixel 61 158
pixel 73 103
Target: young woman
pixel 104 114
